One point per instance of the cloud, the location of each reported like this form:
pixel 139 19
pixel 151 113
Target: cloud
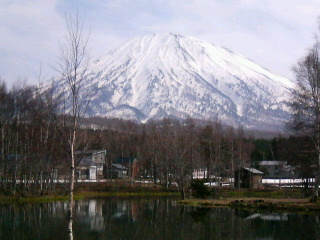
pixel 30 28
pixel 272 33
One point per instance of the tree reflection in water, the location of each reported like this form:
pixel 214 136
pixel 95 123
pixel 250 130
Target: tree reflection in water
pixel 200 214
pixel 150 219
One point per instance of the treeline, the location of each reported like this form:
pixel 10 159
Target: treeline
pixel 170 151
pixel 297 151
pixel 28 144
pixel 33 131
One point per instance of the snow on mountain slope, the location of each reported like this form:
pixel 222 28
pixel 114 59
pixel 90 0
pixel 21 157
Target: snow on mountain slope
pixel 168 75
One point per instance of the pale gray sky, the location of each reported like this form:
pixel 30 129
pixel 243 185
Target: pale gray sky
pixel 273 33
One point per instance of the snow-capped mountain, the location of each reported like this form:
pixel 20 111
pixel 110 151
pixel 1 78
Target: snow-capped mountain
pixel 168 75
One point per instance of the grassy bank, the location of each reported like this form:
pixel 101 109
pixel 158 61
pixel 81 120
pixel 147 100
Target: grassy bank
pixel 266 199
pixel 292 205
pixel 90 191
pixel 83 195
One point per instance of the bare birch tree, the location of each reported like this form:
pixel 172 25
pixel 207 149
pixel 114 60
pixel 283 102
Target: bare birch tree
pixel 72 67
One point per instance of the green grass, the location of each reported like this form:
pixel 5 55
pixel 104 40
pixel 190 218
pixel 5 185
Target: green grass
pixel 127 194
pixel 83 195
pixel 34 199
pixel 99 191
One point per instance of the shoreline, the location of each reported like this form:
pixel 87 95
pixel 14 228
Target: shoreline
pixel 79 195
pixel 260 200
pixel 259 204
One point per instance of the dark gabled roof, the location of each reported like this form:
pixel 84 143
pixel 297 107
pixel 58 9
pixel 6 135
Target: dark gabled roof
pixel 14 157
pixel 90 152
pixel 86 162
pixel 124 160
pixel 93 152
pixel 119 167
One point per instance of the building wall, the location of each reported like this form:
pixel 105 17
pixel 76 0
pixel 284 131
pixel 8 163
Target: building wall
pixel 135 168
pixel 256 181
pixel 248 179
pixel 99 157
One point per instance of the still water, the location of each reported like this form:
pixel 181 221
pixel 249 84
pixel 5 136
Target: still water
pixel 148 219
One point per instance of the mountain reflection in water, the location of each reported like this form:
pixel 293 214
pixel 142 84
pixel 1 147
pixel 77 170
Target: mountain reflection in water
pixel 150 219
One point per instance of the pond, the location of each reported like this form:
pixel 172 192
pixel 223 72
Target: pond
pixel 149 219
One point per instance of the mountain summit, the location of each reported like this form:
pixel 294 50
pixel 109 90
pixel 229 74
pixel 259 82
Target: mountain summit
pixel 168 75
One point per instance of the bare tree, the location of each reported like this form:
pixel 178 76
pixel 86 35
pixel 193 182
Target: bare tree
pixel 306 99
pixel 73 65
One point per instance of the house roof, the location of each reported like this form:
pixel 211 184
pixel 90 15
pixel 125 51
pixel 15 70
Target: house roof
pixel 86 162
pixel 90 152
pixel 125 160
pixel 119 167
pixel 253 170
pixel 272 163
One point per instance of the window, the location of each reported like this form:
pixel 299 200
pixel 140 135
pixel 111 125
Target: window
pixel 55 173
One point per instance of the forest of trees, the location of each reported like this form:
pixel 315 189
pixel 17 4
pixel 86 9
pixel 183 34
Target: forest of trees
pixel 28 139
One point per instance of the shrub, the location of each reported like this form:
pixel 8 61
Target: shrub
pixel 199 190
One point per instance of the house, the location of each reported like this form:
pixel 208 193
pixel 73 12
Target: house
pixel 116 171
pixel 89 165
pixel 248 178
pixel 94 156
pixel 132 164
pixel 86 169
pixel 275 169
pixel 200 173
